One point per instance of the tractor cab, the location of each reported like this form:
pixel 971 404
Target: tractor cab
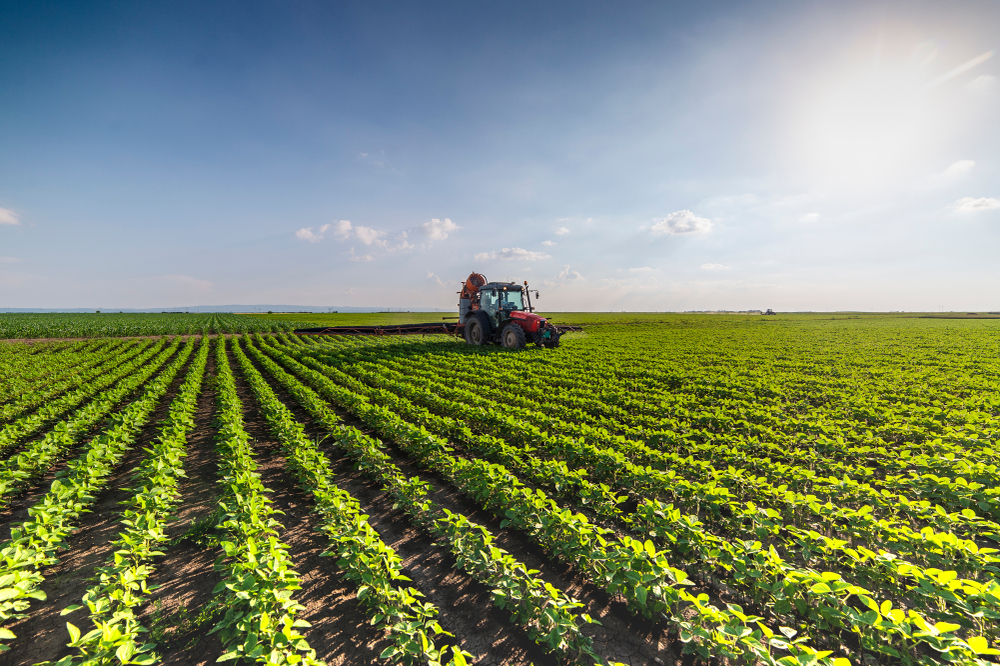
pixel 498 300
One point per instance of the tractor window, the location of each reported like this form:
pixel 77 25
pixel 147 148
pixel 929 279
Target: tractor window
pixel 488 301
pixel 511 300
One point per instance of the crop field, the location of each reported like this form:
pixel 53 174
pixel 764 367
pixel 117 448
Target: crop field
pixel 675 489
pixel 59 325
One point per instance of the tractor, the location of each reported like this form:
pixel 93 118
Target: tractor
pixel 488 313
pixel 501 312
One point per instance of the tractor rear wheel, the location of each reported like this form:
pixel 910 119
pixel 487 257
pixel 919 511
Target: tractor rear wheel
pixel 513 337
pixel 475 330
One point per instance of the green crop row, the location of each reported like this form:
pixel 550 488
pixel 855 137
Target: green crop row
pixel 34 543
pixel 121 585
pixel 13 433
pixel 260 622
pixel 411 624
pixel 548 614
pixel 621 565
pixel 779 582
pixel 20 469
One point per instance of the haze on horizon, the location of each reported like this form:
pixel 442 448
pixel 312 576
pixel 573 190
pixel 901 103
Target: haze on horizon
pixel 619 156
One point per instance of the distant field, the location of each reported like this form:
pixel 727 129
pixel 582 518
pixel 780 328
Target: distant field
pixel 79 325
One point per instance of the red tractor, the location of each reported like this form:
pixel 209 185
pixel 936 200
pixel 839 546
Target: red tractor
pixel 488 312
pixel 501 312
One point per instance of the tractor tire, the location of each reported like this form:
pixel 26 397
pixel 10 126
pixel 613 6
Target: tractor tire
pixel 512 337
pixel 477 329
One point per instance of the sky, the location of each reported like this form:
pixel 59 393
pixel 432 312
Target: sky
pixel 617 155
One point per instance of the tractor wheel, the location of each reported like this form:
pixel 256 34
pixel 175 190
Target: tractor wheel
pixel 476 331
pixel 512 337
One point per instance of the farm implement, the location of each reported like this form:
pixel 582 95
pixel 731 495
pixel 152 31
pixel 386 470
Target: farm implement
pixel 488 313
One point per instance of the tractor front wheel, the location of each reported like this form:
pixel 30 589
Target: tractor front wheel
pixel 513 337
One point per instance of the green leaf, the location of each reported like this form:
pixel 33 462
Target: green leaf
pixel 74 633
pixel 979 645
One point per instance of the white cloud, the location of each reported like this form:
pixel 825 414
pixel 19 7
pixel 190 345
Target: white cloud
pixel 809 217
pixel 715 267
pixel 960 168
pixel 9 260
pixel 644 269
pixel 439 229
pixel 360 257
pixel 343 229
pixel 548 243
pixel 432 276
pixel 972 205
pixel 682 222
pixel 370 236
pixel 983 84
pixel 511 253
pixel 8 216
pixel 307 233
pixel 562 231
pixel 567 274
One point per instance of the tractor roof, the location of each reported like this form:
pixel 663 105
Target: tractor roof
pixel 510 286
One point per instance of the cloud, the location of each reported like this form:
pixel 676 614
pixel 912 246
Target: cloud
pixel 984 83
pixel 439 229
pixel 809 217
pixel 512 253
pixel 715 267
pixel 548 243
pixel 9 260
pixel 307 233
pixel 8 216
pixel 972 205
pixel 370 236
pixel 644 269
pixel 432 276
pixel 360 257
pixel 960 69
pixel 960 168
pixel 343 229
pixel 567 274
pixel 562 231
pixel 682 222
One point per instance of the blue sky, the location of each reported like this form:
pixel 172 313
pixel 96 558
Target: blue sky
pixel 622 156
